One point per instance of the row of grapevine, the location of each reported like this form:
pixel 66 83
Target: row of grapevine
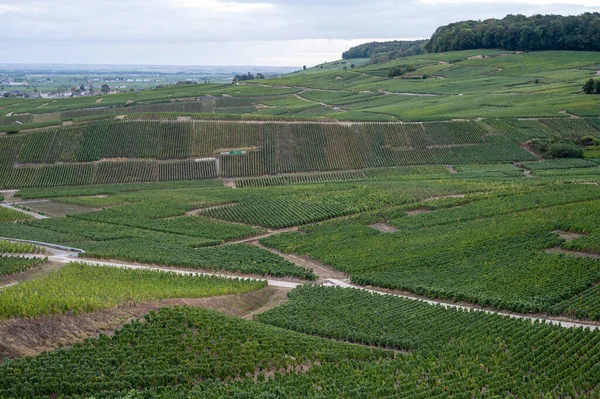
pixel 275 213
pixel 125 172
pixel 7 247
pixel 83 288
pixel 565 163
pixel 489 251
pixel 75 174
pixel 187 170
pixel 460 351
pixel 9 120
pixel 46 176
pixel 12 265
pixel 286 180
pixel 178 349
pixel 10 215
pixel 527 129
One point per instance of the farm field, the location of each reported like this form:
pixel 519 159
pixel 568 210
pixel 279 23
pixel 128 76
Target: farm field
pixel 162 151
pixel 332 233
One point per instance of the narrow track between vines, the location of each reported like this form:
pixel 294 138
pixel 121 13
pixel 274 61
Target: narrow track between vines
pixel 66 256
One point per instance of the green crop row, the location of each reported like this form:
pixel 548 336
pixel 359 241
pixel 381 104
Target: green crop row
pixel 79 288
pixel 11 265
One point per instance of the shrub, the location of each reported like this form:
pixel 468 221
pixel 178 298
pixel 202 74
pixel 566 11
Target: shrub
pixel 562 150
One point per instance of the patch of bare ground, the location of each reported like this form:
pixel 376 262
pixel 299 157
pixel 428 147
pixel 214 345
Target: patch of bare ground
pixel 322 271
pixel 29 274
pixel 529 148
pixel 67 123
pixel 98 101
pixel 444 196
pixel 567 235
pixel 279 296
pixel 384 228
pixel 120 117
pixel 450 169
pixel 8 194
pixel 418 211
pixel 569 252
pixel 29 337
pixel 57 209
pixel 229 183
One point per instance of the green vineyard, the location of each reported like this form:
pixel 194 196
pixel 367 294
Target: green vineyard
pixel 163 150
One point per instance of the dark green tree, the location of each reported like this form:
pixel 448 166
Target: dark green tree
pixel 105 88
pixel 590 86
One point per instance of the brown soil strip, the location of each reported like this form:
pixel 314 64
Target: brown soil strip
pixel 278 296
pixel 444 196
pixel 559 250
pixel 451 169
pixel 29 274
pixel 28 337
pixel 50 208
pixel 567 235
pixel 322 271
pixel 529 148
pixel 384 228
pixel 8 194
pixel 418 211
pixel 229 183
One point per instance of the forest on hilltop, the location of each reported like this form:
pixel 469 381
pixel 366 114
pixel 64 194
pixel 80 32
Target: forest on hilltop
pixel 521 33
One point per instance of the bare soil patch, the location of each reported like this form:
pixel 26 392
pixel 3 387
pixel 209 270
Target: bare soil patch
pixel 29 337
pixel 30 274
pixel 57 209
pixel 450 169
pixel 8 194
pixel 229 183
pixel 444 196
pixel 418 211
pixel 529 148
pixel 322 271
pixel 98 101
pixel 567 235
pixel 67 123
pixel 384 228
pixel 568 252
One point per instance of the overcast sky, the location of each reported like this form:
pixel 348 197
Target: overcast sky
pixel 232 32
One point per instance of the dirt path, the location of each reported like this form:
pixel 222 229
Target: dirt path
pixel 319 269
pixel 569 252
pixel 60 256
pixel 35 215
pixel 556 321
pixel 277 297
pixel 269 233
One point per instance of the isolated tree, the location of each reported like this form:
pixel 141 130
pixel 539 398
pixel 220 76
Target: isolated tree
pixel 105 88
pixel 304 67
pixel 590 86
pixel 82 88
pixel 352 66
pixel 260 76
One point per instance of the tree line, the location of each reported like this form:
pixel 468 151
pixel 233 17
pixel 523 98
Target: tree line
pixel 385 51
pixel 520 33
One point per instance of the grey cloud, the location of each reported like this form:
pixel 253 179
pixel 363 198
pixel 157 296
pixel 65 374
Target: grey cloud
pixel 74 27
